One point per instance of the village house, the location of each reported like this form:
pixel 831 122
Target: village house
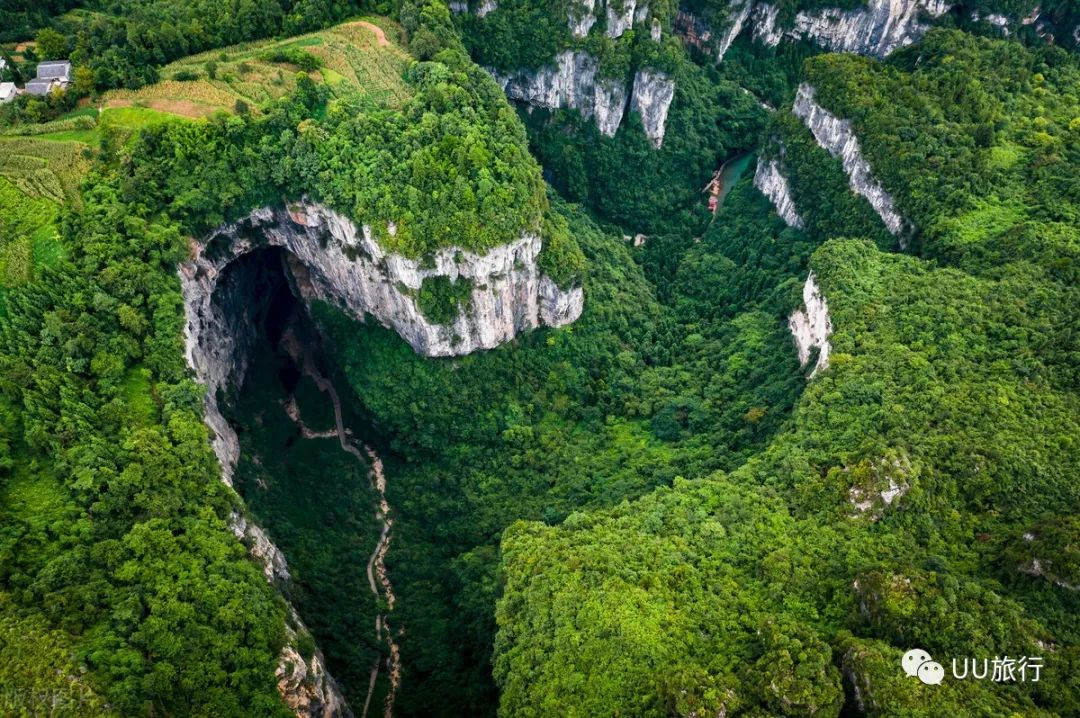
pixel 8 92
pixel 50 76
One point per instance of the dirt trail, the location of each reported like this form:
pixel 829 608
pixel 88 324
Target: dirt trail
pixel 378 578
pixel 379 34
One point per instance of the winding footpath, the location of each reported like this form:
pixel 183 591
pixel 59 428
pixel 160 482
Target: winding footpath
pixel 378 578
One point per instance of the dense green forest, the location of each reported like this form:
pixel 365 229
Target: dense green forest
pixel 652 511
pixel 953 376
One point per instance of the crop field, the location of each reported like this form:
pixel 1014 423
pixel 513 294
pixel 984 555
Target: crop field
pixel 355 57
pixel 44 168
pixel 28 234
pixel 37 176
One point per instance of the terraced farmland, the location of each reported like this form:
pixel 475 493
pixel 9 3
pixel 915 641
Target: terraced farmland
pixel 355 57
pixel 43 168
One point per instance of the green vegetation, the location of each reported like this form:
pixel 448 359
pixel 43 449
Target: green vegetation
pixel 442 299
pixel 650 512
pixel 349 58
pixel 136 571
pixel 952 378
pixel 317 500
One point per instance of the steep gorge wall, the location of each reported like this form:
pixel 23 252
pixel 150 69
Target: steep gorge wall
pixel 811 326
pixel 770 180
pixel 574 82
pixel 333 260
pixel 327 257
pixel 876 29
pixel 838 138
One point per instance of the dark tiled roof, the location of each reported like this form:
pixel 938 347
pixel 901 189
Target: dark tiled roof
pixel 39 87
pixel 59 70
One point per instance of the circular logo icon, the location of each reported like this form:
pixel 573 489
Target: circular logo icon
pixel 912 660
pixel 931 673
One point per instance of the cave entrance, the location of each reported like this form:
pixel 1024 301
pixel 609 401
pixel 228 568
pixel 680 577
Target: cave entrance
pixel 313 498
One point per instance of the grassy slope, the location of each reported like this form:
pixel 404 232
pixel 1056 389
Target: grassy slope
pixel 357 57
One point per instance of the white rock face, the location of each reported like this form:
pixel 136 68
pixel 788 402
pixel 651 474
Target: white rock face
pixel 332 259
pixel 651 98
pixel 487 7
pixel 765 28
pixel 739 13
pixel 303 683
pixel 261 548
pixel 811 326
pixel 771 182
pixel 572 83
pixel 836 136
pixel 620 20
pixel 999 21
pixel 877 29
pixel 581 17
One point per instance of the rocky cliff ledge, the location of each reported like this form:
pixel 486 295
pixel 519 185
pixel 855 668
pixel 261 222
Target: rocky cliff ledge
pixel 621 15
pixel 303 681
pixel 573 83
pixel 331 259
pixel 570 83
pixel 876 29
pixel 837 136
pixel 771 182
pixel 811 326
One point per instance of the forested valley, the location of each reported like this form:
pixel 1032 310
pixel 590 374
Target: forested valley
pixel 611 481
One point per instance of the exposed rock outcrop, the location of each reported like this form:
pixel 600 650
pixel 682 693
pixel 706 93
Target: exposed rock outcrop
pixel 305 685
pixel 876 29
pixel 881 483
pixel 619 20
pixel 332 259
pixel 811 326
pixel 620 16
pixel 771 182
pixel 303 682
pixel 996 20
pixel 581 17
pixel 573 82
pixel 651 98
pixel 739 13
pixel 837 136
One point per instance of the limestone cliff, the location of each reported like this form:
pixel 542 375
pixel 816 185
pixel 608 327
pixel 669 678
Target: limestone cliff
pixel 876 29
pixel 573 82
pixel 620 16
pixel 811 326
pixel 332 259
pixel 651 98
pixel 771 182
pixel 328 257
pixel 303 681
pixel 837 136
